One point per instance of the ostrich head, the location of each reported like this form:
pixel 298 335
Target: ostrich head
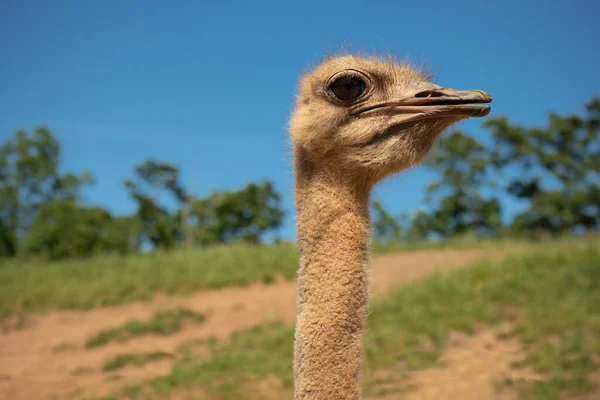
pixel 372 117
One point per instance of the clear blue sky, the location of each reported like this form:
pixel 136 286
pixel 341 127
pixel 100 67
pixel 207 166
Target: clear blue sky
pixel 208 86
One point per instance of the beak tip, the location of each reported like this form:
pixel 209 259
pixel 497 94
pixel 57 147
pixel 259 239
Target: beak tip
pixel 481 112
pixel 485 96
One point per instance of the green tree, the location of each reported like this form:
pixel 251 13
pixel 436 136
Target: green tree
pixel 385 227
pixel 124 234
pixel 421 224
pixel 245 214
pixel 555 169
pixel 29 179
pixel 63 228
pixel 460 208
pixel 157 224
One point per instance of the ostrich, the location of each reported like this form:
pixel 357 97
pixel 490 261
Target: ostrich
pixel 355 121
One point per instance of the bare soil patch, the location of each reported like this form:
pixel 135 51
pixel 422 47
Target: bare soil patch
pixel 473 368
pixel 41 361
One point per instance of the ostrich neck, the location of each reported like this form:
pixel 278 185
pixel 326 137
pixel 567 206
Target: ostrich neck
pixel 333 235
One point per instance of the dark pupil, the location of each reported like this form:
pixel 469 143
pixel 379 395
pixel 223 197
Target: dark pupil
pixel 348 88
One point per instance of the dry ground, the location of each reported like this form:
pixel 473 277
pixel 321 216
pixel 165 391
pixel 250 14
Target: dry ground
pixel 48 359
pixel 471 368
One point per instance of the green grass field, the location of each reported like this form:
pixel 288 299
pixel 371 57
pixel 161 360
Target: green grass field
pixel 550 296
pixel 100 281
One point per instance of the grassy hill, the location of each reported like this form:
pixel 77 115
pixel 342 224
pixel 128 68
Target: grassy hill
pixel 100 281
pixel 548 296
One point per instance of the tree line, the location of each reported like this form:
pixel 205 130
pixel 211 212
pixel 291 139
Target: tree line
pixel 553 172
pixel 42 213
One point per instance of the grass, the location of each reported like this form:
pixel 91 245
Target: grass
pixel 232 369
pixel 462 242
pixel 551 296
pixel 476 242
pixel 137 359
pixel 103 281
pixel 162 323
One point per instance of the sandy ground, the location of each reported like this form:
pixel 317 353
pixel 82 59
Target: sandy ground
pixel 471 368
pixel 32 365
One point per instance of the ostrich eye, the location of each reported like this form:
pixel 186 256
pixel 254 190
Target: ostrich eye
pixel 348 88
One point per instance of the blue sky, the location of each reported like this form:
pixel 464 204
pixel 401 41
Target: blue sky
pixel 208 86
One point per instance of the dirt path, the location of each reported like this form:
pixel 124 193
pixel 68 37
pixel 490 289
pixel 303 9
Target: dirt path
pixel 33 367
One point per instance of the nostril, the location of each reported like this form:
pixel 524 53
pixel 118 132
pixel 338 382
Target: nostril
pixel 429 93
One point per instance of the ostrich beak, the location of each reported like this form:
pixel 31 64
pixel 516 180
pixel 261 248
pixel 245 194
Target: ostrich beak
pixel 435 103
